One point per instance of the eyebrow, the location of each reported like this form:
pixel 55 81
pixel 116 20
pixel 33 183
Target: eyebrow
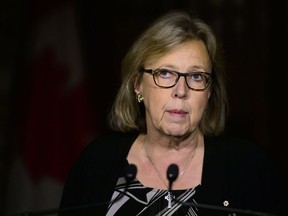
pixel 193 68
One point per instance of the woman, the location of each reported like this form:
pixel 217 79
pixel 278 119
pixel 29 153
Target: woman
pixel 171 109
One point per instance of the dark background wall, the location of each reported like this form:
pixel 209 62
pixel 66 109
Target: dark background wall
pixel 254 35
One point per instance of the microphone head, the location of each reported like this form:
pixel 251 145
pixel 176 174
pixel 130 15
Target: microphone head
pixel 131 172
pixel 172 172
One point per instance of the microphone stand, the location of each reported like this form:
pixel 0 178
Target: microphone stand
pixel 225 209
pixel 172 175
pixel 130 174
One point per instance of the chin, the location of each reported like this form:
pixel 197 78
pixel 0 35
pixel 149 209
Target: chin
pixel 177 133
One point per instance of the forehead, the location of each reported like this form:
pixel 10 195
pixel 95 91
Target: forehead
pixel 189 54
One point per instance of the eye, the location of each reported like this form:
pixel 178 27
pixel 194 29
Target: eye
pixel 196 76
pixel 165 73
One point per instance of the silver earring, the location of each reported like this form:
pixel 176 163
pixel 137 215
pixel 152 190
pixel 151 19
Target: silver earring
pixel 139 97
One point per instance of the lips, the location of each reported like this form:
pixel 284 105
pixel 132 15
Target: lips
pixel 177 112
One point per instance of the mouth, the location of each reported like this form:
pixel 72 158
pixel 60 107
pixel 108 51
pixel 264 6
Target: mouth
pixel 176 112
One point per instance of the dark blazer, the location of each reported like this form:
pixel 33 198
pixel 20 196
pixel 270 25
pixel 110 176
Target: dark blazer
pixel 234 170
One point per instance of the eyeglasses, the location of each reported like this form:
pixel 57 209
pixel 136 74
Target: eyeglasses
pixel 165 78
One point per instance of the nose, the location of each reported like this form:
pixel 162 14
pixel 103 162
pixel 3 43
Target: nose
pixel 181 88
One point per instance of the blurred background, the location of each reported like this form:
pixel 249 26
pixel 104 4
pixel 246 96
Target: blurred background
pixel 60 69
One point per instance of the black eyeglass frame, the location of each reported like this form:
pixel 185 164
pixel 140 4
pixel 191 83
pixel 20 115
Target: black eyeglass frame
pixel 179 74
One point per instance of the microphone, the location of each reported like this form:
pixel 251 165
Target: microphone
pixel 172 175
pixel 131 171
pixel 130 174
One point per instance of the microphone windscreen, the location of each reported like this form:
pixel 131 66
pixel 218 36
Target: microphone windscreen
pixel 172 172
pixel 131 172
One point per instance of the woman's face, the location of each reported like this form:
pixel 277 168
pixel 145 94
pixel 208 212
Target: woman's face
pixel 176 111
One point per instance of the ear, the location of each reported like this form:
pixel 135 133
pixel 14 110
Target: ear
pixel 209 93
pixel 137 83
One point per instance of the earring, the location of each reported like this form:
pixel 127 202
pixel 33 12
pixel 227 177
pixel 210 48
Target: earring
pixel 139 97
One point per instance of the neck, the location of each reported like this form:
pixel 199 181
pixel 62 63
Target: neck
pixel 163 157
pixel 171 146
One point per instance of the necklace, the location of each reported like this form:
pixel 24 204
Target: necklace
pixel 158 172
pixel 169 197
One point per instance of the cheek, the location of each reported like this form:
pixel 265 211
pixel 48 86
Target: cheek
pixel 198 104
pixel 155 102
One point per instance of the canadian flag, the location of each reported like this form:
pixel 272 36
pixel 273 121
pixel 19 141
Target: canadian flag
pixel 54 118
